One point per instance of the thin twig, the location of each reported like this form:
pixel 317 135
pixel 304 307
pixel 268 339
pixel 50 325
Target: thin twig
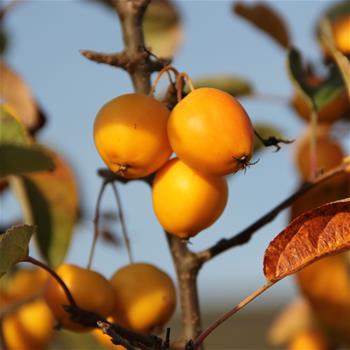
pixel 245 235
pixel 272 141
pixel 198 342
pixel 313 141
pixel 122 222
pixel 96 223
pixel 180 79
pixel 109 176
pixel 118 59
pixel 106 328
pixel 91 319
pixel 167 70
pixel 166 343
pixel 59 280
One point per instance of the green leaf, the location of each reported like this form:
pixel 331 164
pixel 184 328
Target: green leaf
pixel 266 19
pixel 11 129
pixel 321 94
pixel 340 59
pixel 231 84
pixel 16 160
pixel 265 130
pixel 50 201
pixel 162 28
pixel 161 15
pixel 14 246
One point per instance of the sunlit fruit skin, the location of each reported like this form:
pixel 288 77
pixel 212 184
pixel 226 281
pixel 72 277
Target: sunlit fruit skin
pixel 329 154
pixel 26 282
pixel 210 131
pixel 38 320
pixel 341 30
pixel 310 339
pixel 144 295
pixel 130 135
pixel 187 201
pixel 90 290
pixel 30 327
pixel 326 285
pixel 341 34
pixel 16 337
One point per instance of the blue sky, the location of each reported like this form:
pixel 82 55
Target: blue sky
pixel 46 37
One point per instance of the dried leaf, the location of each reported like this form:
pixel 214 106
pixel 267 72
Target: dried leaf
pixel 17 160
pixel 16 93
pixel 50 201
pixel 311 236
pixel 266 19
pixel 14 246
pixel 162 28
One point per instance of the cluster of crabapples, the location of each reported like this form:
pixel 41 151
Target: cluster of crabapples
pixel 138 296
pixel 211 135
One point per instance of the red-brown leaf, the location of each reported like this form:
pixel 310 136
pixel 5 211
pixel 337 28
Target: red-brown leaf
pixel 266 19
pixel 317 233
pixel 16 93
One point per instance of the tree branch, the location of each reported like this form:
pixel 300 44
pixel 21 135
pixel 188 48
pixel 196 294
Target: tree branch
pixel 187 267
pixel 245 235
pixel 125 61
pixel 91 319
pixel 131 15
pixel 119 59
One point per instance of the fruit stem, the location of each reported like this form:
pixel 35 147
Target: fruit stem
pixel 38 263
pixel 313 143
pixel 199 340
pixel 96 223
pixel 179 84
pixel 161 72
pixel 122 222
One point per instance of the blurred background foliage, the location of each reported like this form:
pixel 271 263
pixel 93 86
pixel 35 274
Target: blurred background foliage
pixel 48 186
